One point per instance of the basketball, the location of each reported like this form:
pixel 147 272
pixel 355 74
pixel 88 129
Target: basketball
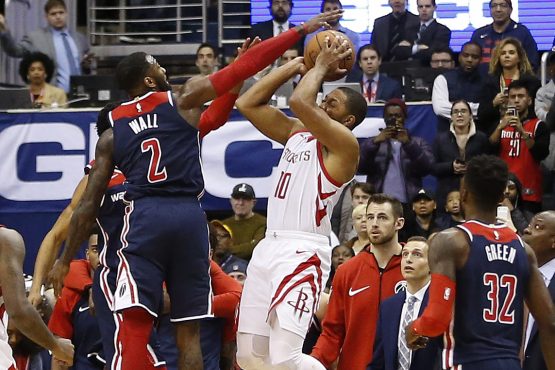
pixel 316 43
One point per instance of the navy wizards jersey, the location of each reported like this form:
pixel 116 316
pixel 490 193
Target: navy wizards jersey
pixel 489 304
pixel 156 149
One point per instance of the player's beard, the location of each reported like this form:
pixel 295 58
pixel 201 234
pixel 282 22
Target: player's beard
pixel 382 239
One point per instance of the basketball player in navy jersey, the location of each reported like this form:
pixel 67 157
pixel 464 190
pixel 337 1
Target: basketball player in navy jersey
pixel 154 142
pixel 486 272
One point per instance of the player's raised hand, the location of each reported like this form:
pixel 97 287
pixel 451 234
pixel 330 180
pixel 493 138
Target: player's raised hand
pixel 321 20
pixel 247 44
pixel 56 276
pixel 332 54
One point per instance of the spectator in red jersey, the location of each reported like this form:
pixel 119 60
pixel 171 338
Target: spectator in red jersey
pixel 523 143
pixel 358 288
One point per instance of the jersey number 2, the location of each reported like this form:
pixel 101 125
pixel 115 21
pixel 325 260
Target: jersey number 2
pixel 155 174
pixel 493 313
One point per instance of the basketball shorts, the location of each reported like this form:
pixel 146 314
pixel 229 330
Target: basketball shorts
pixel 285 277
pixel 165 239
pixel 493 364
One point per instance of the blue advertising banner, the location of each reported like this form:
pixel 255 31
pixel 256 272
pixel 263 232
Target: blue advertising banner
pixel 44 153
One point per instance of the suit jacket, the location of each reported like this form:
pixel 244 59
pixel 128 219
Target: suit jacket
pixel 42 41
pixel 386 344
pixel 436 35
pixel 265 30
pixel 381 34
pixel 53 95
pixel 533 358
pixel 387 87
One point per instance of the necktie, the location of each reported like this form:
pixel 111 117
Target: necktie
pixel 370 92
pixel 280 29
pixel 422 29
pixel 404 351
pixel 73 69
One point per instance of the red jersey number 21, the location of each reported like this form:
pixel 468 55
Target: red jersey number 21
pixel 155 174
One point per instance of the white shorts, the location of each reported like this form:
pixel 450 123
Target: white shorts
pixel 285 277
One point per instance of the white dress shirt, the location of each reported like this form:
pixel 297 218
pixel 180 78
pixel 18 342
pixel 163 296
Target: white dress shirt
pixel 276 27
pixel 547 271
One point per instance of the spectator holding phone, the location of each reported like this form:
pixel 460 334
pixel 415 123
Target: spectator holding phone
pixel 454 147
pixel 509 63
pixel 523 143
pixel 513 202
pixel 394 161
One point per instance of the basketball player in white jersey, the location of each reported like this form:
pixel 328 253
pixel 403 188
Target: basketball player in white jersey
pixel 290 266
pixel 15 306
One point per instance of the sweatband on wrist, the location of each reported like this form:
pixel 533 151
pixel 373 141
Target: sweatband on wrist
pixel 217 114
pixel 253 61
pixel 438 314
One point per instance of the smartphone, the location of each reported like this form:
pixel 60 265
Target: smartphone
pixel 391 122
pixel 511 111
pixel 506 91
pixel 503 213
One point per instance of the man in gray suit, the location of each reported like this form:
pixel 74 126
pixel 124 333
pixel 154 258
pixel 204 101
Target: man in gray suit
pixel 67 49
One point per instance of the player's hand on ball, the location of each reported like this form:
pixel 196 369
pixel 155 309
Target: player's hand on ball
pixel 321 20
pixel 332 54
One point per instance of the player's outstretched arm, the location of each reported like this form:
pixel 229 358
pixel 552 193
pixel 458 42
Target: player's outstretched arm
pixel 85 213
pixel 254 60
pixel 448 252
pixel 20 311
pixel 336 138
pixel 253 104
pixel 541 307
pixel 52 242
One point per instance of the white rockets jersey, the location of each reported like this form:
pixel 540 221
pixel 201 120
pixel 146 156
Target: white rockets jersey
pixel 6 356
pixel 304 196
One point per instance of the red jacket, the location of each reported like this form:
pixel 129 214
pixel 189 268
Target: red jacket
pixel 349 327
pixel 227 294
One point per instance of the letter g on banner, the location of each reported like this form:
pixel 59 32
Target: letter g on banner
pixel 21 174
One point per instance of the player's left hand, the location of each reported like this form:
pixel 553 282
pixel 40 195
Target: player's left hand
pixel 414 341
pixel 56 276
pixel 247 44
pixel 321 20
pixel 331 54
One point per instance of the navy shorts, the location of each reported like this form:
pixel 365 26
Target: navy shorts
pixel 165 239
pixel 494 364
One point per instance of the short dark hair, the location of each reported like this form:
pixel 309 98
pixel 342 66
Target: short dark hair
pixel 461 101
pixel 486 179
pixel 364 186
pixel 356 104
pixel 417 238
pixel 131 70
pixel 54 3
pixel 381 198
pixel 433 2
pixel 551 58
pixel 290 3
pixel 29 59
pixel 520 84
pixel 338 2
pixel 368 47
pixel 103 121
pixel 443 49
pixel 206 45
pixel 473 43
pixel 509 3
